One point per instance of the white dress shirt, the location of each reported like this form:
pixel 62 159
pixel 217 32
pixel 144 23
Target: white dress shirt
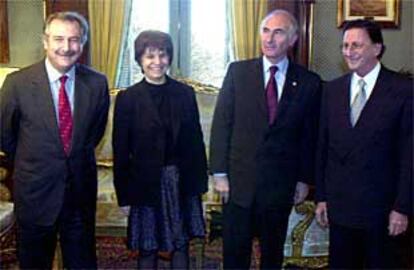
pixel 280 75
pixel 370 80
pixel 54 76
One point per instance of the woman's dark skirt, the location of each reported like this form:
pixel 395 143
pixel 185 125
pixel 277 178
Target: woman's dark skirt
pixel 171 225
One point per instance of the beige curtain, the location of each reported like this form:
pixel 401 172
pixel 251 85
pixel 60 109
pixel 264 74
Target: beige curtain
pixel 246 16
pixel 106 19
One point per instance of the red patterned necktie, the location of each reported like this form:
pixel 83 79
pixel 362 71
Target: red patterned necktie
pixel 271 95
pixel 65 116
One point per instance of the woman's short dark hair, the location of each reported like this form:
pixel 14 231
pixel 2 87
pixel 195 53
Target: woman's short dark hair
pixel 153 39
pixel 372 28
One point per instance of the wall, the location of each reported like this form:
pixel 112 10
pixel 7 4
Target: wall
pixel 25 19
pixel 26 22
pixel 326 56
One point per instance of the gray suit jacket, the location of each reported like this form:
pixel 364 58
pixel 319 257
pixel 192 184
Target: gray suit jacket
pixel 29 135
pixel 261 161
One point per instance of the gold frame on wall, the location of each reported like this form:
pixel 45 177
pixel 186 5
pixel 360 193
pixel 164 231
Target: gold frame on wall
pixel 384 12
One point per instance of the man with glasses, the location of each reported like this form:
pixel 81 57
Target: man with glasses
pixel 364 161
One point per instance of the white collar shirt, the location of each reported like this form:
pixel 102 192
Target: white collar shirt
pixel 370 80
pixel 280 75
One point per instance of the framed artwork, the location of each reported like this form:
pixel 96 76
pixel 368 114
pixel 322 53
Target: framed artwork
pixel 384 12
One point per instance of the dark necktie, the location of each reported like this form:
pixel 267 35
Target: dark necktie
pixel 65 116
pixel 271 95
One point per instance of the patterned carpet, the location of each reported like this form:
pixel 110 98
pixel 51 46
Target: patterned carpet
pixel 112 254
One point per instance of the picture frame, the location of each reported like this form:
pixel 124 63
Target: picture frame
pixel 384 12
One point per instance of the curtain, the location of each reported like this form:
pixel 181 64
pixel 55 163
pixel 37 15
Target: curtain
pixel 106 19
pixel 246 16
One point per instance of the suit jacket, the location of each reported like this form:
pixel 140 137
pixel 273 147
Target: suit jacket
pixel 263 162
pixel 364 172
pixel 43 174
pixel 139 144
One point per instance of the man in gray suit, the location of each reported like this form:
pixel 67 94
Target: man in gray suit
pixel 52 115
pixel 262 144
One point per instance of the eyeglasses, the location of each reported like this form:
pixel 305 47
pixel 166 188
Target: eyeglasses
pixel 352 46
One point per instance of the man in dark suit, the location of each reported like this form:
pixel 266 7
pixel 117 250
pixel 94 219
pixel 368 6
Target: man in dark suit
pixel 52 115
pixel 263 135
pixel 364 162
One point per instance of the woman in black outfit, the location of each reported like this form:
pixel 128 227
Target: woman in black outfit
pixel 160 166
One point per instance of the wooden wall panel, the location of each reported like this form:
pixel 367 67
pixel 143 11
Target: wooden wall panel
pixel 301 9
pixel 4 36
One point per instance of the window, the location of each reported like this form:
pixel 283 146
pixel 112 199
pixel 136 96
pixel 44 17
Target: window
pixel 209 41
pixel 200 35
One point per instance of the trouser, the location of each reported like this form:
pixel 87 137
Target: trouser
pixel 240 225
pixel 357 248
pixel 37 244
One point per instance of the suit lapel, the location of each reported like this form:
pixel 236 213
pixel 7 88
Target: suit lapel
pixel 344 108
pixel 289 91
pixel 256 84
pixel 81 105
pixel 42 97
pixel 341 124
pixel 370 116
pixel 371 112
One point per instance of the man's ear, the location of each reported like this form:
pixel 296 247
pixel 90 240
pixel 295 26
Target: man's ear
pixel 44 39
pixel 293 38
pixel 378 48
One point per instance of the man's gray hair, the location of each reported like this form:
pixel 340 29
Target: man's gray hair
pixel 71 17
pixel 293 29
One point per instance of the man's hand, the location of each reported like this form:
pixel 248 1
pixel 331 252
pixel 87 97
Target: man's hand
pixel 321 213
pixel 125 210
pixel 398 223
pixel 301 192
pixel 221 185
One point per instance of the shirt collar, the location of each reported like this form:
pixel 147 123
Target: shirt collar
pixel 369 78
pixel 282 65
pixel 54 75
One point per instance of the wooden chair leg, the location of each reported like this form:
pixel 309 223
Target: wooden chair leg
pixel 57 260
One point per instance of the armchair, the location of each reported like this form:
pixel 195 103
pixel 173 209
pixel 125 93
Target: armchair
pixel 7 220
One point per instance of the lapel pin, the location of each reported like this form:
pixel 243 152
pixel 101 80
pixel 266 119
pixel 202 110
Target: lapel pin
pixel 294 83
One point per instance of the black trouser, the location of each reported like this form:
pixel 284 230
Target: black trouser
pixel 76 230
pixel 369 248
pixel 240 225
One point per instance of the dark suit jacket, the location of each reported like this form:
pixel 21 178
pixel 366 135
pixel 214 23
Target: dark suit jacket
pixel 139 144
pixel 263 162
pixel 43 174
pixel 366 171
